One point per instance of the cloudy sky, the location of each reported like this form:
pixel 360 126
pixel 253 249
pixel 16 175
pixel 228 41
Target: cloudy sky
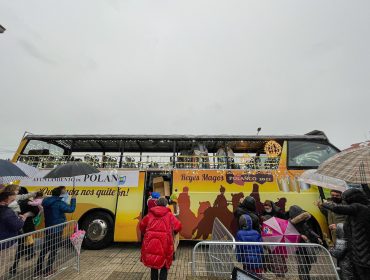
pixel 194 67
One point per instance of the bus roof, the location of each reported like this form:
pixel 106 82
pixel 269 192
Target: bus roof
pixel 160 143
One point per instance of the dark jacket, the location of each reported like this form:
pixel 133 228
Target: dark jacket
pixel 28 223
pixel 248 206
pixel 358 210
pixel 158 228
pixel 10 225
pixel 302 222
pixel 250 255
pixel 342 252
pixel 55 209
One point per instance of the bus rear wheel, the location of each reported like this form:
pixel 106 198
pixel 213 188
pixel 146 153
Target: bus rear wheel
pixel 99 230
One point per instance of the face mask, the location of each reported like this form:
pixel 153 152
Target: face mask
pixel 336 199
pixel 65 197
pixel 268 210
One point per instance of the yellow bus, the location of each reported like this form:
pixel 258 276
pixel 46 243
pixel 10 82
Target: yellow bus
pixel 208 174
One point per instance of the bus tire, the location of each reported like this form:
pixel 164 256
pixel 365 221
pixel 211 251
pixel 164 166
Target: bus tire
pixel 99 230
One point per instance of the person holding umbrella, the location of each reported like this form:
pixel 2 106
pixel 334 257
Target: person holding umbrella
pixel 332 217
pixel 358 223
pixel 54 213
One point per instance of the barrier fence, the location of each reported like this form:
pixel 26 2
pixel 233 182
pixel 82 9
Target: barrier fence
pixel 264 260
pixel 39 254
pixel 220 232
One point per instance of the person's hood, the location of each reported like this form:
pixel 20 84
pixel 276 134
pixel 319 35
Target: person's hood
pixel 355 196
pixel 50 200
pixel 245 222
pixel 340 231
pixel 159 211
pixel 249 203
pixel 294 211
pixel 297 214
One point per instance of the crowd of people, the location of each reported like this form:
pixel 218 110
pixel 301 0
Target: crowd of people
pixel 20 213
pixel 347 214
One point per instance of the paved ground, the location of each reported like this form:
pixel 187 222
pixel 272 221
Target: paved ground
pixel 122 261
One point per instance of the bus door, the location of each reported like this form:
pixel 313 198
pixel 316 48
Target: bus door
pixel 129 205
pixel 158 181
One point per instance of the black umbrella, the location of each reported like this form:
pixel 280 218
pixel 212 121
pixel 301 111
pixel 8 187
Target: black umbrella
pixel 72 169
pixel 10 172
pixel 9 169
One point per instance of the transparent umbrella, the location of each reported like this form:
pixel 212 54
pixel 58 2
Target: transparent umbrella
pixel 313 178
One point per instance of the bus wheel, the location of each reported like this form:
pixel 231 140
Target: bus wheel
pixel 99 230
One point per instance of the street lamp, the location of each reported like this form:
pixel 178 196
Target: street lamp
pixel 2 29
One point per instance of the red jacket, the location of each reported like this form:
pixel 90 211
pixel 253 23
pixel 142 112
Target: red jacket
pixel 158 228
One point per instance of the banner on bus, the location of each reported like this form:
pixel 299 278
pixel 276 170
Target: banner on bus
pixel 103 178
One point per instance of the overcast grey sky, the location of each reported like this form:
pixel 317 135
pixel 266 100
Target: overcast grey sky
pixel 173 67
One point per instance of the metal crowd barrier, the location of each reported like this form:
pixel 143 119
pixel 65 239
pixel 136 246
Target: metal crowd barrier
pixel 220 232
pixel 39 254
pixel 291 261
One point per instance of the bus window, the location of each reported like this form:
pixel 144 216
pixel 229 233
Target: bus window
pixel 306 155
pixel 41 154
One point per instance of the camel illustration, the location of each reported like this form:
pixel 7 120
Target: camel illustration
pixel 186 216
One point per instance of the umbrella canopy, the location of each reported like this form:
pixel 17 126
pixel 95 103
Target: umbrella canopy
pixel 10 172
pixel 7 168
pixel 313 178
pixel 279 230
pixel 351 165
pixel 29 170
pixel 72 169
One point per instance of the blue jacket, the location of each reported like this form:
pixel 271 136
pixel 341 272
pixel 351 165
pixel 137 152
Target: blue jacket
pixel 10 225
pixel 250 255
pixel 55 209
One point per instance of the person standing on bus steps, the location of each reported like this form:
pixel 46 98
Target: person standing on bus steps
pixel 54 213
pixel 157 249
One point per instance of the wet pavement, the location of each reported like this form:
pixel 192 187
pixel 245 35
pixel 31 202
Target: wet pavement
pixel 122 261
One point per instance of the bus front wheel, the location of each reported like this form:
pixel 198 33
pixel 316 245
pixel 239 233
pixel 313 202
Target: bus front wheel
pixel 99 230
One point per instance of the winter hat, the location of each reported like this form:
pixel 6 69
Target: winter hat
pixel 156 195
